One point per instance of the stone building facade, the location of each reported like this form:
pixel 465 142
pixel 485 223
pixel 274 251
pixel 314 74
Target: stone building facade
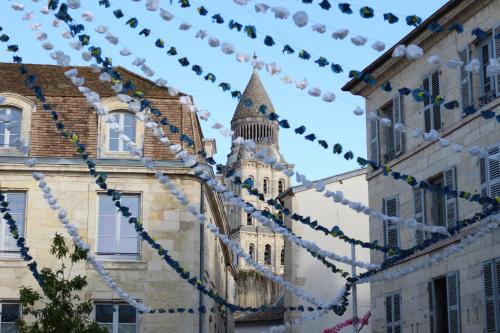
pixel 460 294
pixel 305 271
pixel 131 263
pixel 261 242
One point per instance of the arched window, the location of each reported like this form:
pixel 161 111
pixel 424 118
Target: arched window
pixel 280 216
pixel 249 219
pixel 282 256
pixel 126 122
pixel 281 186
pixel 267 255
pixel 266 186
pixel 251 251
pixel 10 126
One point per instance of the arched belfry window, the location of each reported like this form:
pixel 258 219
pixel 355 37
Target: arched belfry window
pixel 265 186
pixel 249 219
pixel 282 256
pixel 251 251
pixel 267 255
pixel 281 186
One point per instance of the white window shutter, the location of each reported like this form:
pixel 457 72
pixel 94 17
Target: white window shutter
pixel 432 313
pixel 496 51
pixel 489 169
pixel 426 86
pixel 488 274
pixel 419 212
pixel 397 107
pixel 436 108
pixel 483 170
pixel 453 294
pixel 391 208
pixel 466 79
pixel 374 141
pixel 451 203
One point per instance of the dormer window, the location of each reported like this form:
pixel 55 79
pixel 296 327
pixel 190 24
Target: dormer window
pixel 10 126
pixel 126 121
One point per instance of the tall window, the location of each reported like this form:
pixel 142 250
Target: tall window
pixel 391 140
pixel 489 169
pixel 466 80
pixel 249 219
pixel 267 255
pixel 266 186
pixel 434 207
pixel 281 186
pixel 9 313
pixel 17 206
pixel 115 235
pixel 126 120
pixel 391 229
pixel 432 110
pixel 251 251
pixel 491 285
pixel 10 126
pixel 282 261
pixel 444 304
pixel 393 313
pixel 117 318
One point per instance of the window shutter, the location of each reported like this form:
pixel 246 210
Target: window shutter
pixel 426 86
pixel 489 297
pixel 490 174
pixel 451 208
pixel 388 313
pixel 453 293
pixel 374 140
pixel 419 211
pixel 391 208
pixel 397 108
pixel 496 51
pixel 483 170
pixel 432 314
pixel 465 79
pixel 397 313
pixel 436 108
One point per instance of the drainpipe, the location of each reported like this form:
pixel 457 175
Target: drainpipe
pixel 201 315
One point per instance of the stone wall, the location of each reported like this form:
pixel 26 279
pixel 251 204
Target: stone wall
pixel 255 289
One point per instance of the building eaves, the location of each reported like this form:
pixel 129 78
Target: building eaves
pixel 405 40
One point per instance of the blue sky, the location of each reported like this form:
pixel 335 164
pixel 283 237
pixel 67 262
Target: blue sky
pixel 333 121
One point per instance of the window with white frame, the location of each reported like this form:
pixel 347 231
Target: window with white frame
pixel 432 109
pixel 433 207
pixel 393 313
pixel 117 317
pixel 491 286
pixel 9 313
pixel 115 235
pixel 444 303
pixel 10 125
pixel 127 124
pixel 17 206
pixel 488 48
pixel 489 169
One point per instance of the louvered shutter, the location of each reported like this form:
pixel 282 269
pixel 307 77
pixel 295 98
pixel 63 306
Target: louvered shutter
pixel 483 170
pixel 374 141
pixel 465 79
pixel 496 51
pixel 489 297
pixel 397 108
pixel 453 294
pixel 426 86
pixel 391 208
pixel 419 212
pixel 396 301
pixel 432 314
pixel 436 107
pixel 451 204
pixel 388 313
pixel 489 169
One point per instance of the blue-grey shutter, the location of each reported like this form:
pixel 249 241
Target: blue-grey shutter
pixel 393 313
pixel 436 107
pixel 419 212
pixel 374 141
pixel 426 86
pixel 453 294
pixel 432 313
pixel 491 319
pixel 489 169
pixel 451 204
pixel 397 108
pixel 465 79
pixel 388 313
pixel 496 51
pixel 391 229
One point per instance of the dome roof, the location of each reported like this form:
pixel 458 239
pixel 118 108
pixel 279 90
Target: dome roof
pixel 255 92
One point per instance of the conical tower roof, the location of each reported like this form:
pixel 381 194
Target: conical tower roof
pixel 255 92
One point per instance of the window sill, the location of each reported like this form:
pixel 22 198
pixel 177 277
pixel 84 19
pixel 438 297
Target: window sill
pixel 10 151
pixel 12 260
pixel 121 264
